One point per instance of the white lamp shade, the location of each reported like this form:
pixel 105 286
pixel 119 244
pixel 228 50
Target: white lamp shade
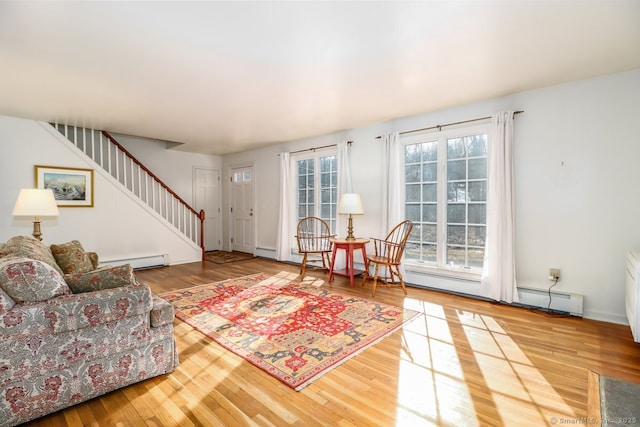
pixel 35 202
pixel 350 203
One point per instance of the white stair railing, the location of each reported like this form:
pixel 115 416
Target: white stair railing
pixel 103 149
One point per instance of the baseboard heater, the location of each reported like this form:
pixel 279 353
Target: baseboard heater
pixel 560 301
pixel 140 263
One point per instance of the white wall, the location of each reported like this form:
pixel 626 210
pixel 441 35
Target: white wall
pixel 576 160
pixel 117 227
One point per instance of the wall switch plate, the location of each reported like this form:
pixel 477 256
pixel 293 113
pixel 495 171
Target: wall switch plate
pixel 554 274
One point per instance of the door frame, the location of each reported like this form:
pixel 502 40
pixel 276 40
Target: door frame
pixel 230 229
pixel 220 189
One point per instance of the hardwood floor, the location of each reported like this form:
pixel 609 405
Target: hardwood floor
pixel 463 362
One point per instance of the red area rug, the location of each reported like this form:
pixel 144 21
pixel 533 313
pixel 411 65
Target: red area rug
pixel 295 331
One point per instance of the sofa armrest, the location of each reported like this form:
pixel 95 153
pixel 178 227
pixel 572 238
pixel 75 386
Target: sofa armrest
pixel 162 312
pixel 76 311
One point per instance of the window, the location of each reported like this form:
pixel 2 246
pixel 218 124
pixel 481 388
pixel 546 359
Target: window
pixel 446 198
pixel 316 181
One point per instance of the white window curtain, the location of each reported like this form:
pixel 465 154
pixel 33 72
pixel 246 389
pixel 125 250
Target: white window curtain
pixel 283 239
pixel 392 194
pixel 392 171
pixel 344 186
pixel 344 182
pixel 499 274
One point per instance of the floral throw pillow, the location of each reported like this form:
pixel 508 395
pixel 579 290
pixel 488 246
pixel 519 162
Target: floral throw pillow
pixel 71 257
pixel 102 278
pixel 29 247
pixel 30 280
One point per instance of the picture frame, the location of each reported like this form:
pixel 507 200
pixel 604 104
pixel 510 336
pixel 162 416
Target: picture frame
pixel 72 187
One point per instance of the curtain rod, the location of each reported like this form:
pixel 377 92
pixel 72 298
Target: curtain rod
pixel 439 127
pixel 316 148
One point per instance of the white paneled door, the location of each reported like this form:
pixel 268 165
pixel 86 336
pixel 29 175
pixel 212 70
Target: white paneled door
pixel 207 198
pixel 242 214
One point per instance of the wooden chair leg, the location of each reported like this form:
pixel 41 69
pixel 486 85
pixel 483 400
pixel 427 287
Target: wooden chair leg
pixel 375 281
pixel 303 267
pixel 365 275
pixel 404 288
pixel 328 265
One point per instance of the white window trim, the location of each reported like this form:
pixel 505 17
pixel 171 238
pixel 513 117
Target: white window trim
pixel 294 158
pixel 441 269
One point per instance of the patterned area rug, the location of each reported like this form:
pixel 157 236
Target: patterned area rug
pixel 223 257
pixel 295 331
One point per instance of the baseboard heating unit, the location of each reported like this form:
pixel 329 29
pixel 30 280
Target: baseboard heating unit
pixel 560 301
pixel 139 263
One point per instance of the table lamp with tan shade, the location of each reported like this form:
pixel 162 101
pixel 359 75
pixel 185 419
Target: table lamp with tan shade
pixel 36 203
pixel 350 204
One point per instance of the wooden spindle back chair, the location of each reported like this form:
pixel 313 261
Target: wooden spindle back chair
pixel 314 238
pixel 388 253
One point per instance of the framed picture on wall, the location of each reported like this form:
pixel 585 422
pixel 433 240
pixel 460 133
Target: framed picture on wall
pixel 71 186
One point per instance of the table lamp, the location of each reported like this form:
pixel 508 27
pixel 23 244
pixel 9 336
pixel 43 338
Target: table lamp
pixel 35 202
pixel 350 204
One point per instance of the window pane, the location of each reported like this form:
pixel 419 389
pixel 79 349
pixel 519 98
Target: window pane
pixel 328 164
pixel 412 212
pixel 430 172
pixel 429 213
pixel 325 180
pixel 456 170
pixel 456 148
pixel 325 211
pixel 477 145
pixel 478 168
pixel 475 257
pixel 412 193
pixel 456 255
pixel 477 213
pixel 429 253
pixel 302 197
pixel 457 213
pixel 412 251
pixel 412 173
pixel 456 234
pixel 412 153
pixel 478 191
pixel 430 151
pixel 429 233
pixel 325 195
pixel 457 192
pixel 477 235
pixel 429 192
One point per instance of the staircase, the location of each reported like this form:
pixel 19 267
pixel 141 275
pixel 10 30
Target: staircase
pixel 104 150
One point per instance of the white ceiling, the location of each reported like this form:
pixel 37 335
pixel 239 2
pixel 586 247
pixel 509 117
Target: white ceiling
pixel 224 77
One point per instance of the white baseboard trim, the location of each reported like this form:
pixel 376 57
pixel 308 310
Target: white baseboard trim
pixel 141 262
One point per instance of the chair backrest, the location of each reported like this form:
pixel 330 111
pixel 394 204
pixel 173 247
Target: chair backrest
pixel 397 238
pixel 313 235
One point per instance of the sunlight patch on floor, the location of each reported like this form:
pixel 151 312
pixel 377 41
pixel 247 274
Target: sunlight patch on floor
pixel 433 381
pixel 431 385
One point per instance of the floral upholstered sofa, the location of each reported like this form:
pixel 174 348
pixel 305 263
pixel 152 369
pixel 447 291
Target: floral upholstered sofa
pixel 70 331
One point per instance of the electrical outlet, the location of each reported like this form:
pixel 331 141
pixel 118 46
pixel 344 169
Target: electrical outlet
pixel 554 274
